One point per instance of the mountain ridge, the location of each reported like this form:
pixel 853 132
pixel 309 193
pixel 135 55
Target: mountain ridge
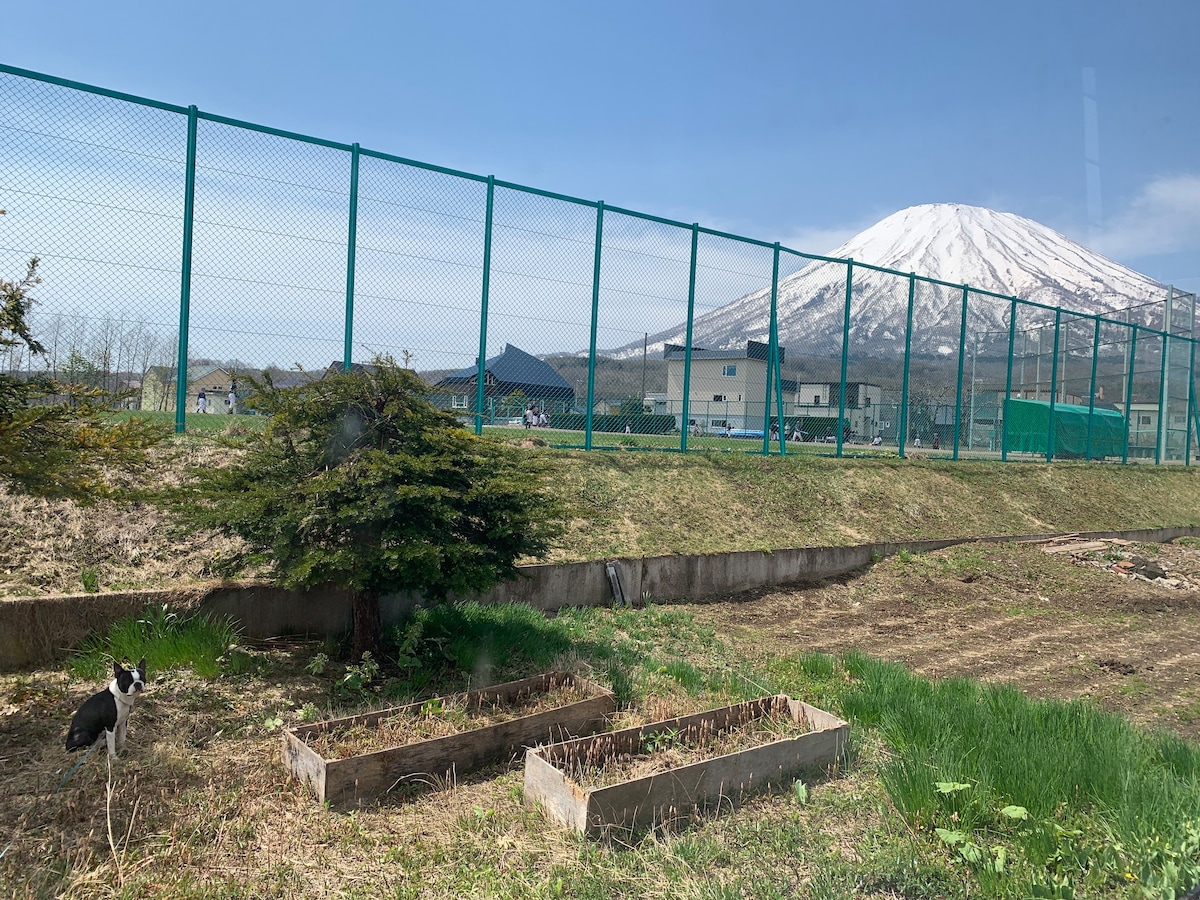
pixel 999 252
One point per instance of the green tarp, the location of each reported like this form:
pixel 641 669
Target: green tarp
pixel 1027 428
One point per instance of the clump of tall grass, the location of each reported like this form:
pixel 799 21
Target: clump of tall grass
pixel 166 638
pixel 1083 792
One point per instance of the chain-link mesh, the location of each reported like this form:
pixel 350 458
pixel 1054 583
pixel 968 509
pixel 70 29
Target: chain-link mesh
pixel 727 389
pixel 93 186
pixel 985 375
pixel 268 289
pixel 644 279
pixel 604 327
pixel 419 275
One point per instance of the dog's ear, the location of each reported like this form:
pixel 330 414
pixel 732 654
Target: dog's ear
pixel 117 670
pixel 141 667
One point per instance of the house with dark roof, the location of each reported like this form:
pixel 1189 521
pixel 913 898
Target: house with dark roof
pixel 513 373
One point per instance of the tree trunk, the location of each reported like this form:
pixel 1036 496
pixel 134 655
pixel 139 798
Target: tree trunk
pixel 368 623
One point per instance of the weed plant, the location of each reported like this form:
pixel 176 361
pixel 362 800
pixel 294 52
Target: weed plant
pixel 167 639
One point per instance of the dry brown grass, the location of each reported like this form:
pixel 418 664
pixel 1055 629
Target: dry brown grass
pixel 439 717
pixel 46 546
pixel 670 749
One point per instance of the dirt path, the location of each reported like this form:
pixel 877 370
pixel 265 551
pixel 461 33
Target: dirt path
pixel 1054 625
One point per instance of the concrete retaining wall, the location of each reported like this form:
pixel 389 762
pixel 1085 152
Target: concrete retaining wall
pixel 37 629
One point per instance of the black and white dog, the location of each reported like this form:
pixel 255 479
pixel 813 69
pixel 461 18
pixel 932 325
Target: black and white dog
pixel 106 714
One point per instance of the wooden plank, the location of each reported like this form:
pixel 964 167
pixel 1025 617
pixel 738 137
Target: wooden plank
pixel 305 763
pixel 730 779
pixel 664 796
pixel 359 777
pixel 565 802
pixel 447 757
pixel 1074 548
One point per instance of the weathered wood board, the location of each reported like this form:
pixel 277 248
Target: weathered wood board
pixel 666 796
pixel 359 778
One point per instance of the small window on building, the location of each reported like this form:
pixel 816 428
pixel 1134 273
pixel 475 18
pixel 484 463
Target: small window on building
pixel 816 400
pixel 729 371
pixel 459 401
pixel 718 398
pixel 1143 420
pixel 866 402
pixel 717 423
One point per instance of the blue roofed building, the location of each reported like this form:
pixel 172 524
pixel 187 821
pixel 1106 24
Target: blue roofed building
pixel 512 380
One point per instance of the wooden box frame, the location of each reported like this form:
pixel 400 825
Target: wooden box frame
pixel 368 775
pixel 664 797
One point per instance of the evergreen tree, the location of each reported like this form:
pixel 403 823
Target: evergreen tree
pixel 358 482
pixel 60 440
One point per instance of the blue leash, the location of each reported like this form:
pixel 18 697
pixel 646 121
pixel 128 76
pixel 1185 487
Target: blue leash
pixel 72 772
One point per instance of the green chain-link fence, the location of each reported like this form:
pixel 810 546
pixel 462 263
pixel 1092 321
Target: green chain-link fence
pixel 183 252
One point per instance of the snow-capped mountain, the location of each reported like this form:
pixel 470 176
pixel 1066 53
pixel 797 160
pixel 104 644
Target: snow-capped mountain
pixel 993 251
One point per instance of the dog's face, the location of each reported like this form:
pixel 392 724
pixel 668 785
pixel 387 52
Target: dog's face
pixel 130 681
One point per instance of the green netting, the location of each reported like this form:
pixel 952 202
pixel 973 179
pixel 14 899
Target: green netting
pixel 1027 425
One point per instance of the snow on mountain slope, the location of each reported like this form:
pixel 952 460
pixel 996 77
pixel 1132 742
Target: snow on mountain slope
pixel 993 251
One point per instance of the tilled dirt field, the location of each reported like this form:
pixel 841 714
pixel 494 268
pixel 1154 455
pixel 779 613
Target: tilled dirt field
pixel 1055 625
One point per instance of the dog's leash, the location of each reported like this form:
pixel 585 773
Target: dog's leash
pixel 73 768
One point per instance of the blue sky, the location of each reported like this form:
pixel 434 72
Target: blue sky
pixel 791 121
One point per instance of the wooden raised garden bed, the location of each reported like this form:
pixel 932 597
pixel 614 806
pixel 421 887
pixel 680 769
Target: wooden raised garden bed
pixel 360 757
pixel 658 773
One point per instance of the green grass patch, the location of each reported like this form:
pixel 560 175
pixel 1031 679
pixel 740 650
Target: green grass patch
pixel 167 639
pixel 1081 795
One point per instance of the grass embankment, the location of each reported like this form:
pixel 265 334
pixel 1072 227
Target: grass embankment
pixel 951 789
pixel 653 504
pixel 649 504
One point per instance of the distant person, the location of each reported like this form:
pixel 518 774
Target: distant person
pixel 543 419
pixel 232 401
pixel 774 432
pixel 529 417
pixel 936 441
pixel 877 440
pixel 917 442
pixel 202 402
pixel 628 430
pixel 796 433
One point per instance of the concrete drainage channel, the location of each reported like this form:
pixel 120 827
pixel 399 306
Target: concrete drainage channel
pixel 36 629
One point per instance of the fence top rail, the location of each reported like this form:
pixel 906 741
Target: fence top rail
pixel 363 151
pixel 277 132
pixel 92 89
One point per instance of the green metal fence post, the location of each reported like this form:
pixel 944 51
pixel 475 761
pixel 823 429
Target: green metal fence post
pixel 1012 342
pixel 591 391
pixel 481 367
pixel 185 273
pixel 912 292
pixel 1053 387
pixel 1092 392
pixel 962 355
pixel 1160 433
pixel 1187 438
pixel 841 428
pixel 772 353
pixel 779 403
pixel 686 422
pixel 351 245
pixel 1129 392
